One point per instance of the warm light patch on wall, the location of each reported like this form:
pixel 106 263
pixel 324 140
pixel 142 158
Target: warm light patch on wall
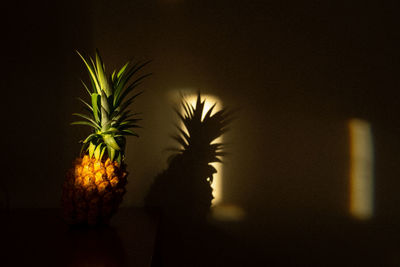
pixel 361 169
pixel 210 100
pixel 227 213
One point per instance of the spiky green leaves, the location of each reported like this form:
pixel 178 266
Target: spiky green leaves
pixel 197 135
pixel 108 110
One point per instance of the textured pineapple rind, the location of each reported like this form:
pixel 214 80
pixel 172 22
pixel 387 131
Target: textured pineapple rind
pixel 93 190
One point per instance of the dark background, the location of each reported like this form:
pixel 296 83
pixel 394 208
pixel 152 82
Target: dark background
pixel 298 71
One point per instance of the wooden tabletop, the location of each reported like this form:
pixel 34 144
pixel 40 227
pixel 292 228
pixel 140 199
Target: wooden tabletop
pixel 39 237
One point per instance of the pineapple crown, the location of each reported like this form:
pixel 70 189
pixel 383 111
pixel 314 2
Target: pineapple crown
pixel 108 109
pixel 198 134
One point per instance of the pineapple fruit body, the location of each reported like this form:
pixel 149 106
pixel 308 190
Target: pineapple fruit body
pixel 93 190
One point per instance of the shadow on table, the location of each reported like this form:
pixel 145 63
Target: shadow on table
pixel 38 237
pixel 100 246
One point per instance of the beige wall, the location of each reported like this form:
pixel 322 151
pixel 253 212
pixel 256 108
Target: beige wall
pixel 298 73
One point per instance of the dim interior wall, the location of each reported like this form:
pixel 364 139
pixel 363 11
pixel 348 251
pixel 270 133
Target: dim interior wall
pixel 39 95
pixel 297 72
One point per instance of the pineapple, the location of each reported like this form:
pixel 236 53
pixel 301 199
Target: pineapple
pixel 184 189
pixel 94 187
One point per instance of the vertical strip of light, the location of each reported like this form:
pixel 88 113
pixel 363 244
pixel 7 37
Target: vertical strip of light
pixel 361 170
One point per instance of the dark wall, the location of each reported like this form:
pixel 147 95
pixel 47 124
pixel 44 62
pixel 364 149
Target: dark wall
pixel 39 91
pixel 298 72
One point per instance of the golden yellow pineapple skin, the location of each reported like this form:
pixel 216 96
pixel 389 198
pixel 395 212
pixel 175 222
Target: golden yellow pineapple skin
pixel 93 190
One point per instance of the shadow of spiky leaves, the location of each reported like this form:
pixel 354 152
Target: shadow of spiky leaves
pixel 183 191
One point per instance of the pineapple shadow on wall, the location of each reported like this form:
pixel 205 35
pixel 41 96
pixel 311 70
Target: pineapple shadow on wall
pixel 183 192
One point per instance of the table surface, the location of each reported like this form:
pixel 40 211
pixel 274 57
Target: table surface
pixel 39 237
